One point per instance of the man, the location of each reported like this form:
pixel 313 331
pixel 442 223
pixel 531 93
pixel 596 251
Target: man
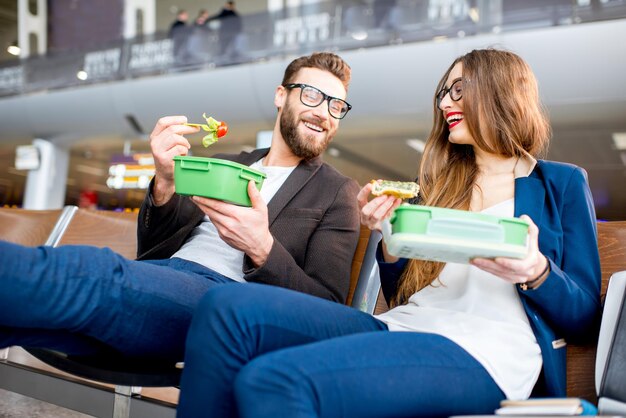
pixel 197 43
pixel 181 21
pixel 179 33
pixel 230 27
pixel 300 233
pixel 201 19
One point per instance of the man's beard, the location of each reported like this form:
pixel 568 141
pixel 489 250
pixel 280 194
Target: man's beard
pixel 300 145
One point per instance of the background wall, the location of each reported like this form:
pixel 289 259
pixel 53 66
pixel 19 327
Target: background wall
pixel 74 24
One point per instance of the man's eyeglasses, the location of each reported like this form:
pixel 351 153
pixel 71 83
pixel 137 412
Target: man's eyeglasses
pixel 312 97
pixel 455 90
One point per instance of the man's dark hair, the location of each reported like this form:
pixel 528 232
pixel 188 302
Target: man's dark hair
pixel 325 61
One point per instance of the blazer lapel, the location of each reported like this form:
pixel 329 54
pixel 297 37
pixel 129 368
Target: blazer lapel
pixel 529 197
pixel 296 181
pixel 248 158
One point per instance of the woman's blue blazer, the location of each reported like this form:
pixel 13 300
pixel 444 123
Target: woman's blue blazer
pixel 566 307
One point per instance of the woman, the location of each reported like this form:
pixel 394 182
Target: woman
pixel 474 334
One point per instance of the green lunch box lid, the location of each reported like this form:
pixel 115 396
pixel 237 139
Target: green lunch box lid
pixel 451 235
pixel 215 178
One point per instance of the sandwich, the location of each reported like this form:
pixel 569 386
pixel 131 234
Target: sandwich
pixel 401 189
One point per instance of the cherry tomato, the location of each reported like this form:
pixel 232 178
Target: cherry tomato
pixel 222 129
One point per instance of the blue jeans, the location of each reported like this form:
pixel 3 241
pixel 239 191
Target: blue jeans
pixel 261 351
pixel 83 300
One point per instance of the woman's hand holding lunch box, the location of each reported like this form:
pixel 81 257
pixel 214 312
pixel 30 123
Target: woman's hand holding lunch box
pixel 528 272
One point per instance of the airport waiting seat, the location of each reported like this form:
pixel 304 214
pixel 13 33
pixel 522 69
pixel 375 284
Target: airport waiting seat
pixel 366 284
pixel 610 373
pixel 27 227
pixel 357 264
pixel 102 228
pixel 581 359
pixel 116 230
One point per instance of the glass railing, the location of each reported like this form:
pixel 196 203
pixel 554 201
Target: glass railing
pixel 336 26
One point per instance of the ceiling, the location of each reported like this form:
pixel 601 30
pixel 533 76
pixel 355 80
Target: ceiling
pixel 391 92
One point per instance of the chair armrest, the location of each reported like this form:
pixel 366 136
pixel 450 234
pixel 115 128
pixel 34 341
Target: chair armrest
pixel 368 285
pixel 611 354
pixel 61 225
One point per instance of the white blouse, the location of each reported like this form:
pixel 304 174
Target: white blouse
pixel 481 313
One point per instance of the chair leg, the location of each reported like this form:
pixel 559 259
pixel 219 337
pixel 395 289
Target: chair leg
pixel 121 403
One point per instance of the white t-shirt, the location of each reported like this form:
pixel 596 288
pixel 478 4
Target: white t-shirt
pixel 483 314
pixel 204 245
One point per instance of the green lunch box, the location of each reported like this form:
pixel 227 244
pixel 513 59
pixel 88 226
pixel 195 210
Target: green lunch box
pixel 450 235
pixel 215 178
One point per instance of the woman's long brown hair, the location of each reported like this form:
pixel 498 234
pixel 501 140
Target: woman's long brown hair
pixel 503 114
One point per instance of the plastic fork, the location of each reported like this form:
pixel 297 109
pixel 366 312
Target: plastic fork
pixel 204 126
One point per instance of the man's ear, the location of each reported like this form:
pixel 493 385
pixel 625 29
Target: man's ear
pixel 280 96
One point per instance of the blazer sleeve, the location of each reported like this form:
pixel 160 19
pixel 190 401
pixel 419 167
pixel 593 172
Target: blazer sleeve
pixel 389 273
pixel 569 299
pixel 166 223
pixel 329 253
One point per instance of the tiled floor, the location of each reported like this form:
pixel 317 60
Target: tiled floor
pixel 13 405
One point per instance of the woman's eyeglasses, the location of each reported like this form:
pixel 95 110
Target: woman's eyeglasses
pixel 455 90
pixel 313 97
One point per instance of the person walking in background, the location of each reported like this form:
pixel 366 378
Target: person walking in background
pixel 201 20
pixel 181 21
pixel 179 34
pixel 229 29
pixel 301 232
pixel 473 334
pixel 383 10
pixel 198 42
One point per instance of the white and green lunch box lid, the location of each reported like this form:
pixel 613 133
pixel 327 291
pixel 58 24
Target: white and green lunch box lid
pixel 450 235
pixel 215 178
